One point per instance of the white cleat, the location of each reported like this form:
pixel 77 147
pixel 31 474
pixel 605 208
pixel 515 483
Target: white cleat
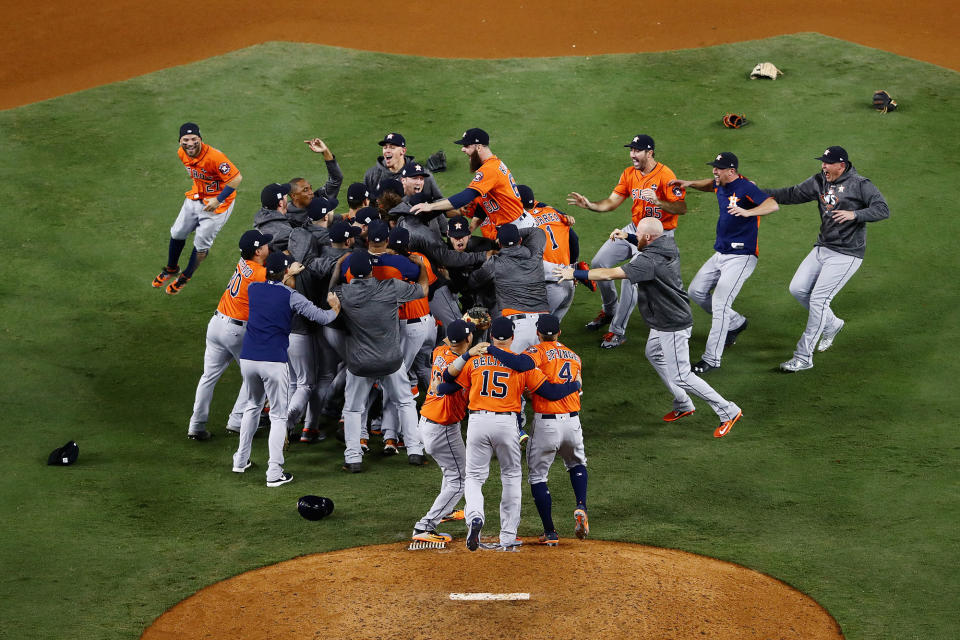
pixel 826 339
pixel 795 364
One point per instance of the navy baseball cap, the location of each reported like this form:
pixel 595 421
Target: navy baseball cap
pixel 394 139
pixel 725 160
pixel 641 141
pixel 277 263
pixel 458 227
pixel 367 215
pixel 360 265
pixel 253 240
pixel 417 198
pixel 548 324
pixel 399 238
pixel 272 194
pixel 390 184
pixel 834 154
pixel 65 455
pixel 342 230
pixel 378 231
pixel 459 330
pixel 473 136
pixel 357 193
pixel 320 207
pixel 526 196
pixel 501 328
pixel 412 169
pixel 189 129
pixel 508 235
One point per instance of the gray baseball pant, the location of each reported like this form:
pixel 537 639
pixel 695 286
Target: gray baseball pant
pixel 445 445
pixel 224 341
pixel 818 279
pixel 724 275
pixel 490 434
pixel 395 386
pixel 270 381
pixel 207 224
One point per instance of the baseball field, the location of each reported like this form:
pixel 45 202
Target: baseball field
pixel 841 481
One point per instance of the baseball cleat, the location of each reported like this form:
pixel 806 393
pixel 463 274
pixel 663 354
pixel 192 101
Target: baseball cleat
pixel 549 538
pixel 430 536
pixel 703 367
pixel 601 319
pixel 353 467
pixel 582 528
pixel 308 435
pixel 473 535
pixel 283 479
pixel 826 340
pixel 400 443
pixel 733 333
pixel 725 427
pixel 416 459
pixel 174 287
pixel 164 275
pixel 200 435
pixel 389 447
pixel 523 437
pixel 589 284
pixel 676 414
pixel 795 364
pixel 363 445
pixel 612 340
pixel 243 468
pixel 453 515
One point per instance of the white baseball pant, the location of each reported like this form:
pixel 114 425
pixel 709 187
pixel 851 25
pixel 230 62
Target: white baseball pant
pixel 357 391
pixel 270 381
pixel 552 436
pixel 224 341
pixel 207 224
pixel 490 434
pixel 445 445
pixel 724 275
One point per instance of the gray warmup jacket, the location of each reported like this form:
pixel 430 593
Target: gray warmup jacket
pixel 276 224
pixel 330 189
pixel 850 192
pixel 379 172
pixel 661 299
pixel 518 273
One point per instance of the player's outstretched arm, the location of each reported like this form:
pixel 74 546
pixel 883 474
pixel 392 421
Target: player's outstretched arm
pixel 597 275
pixel 517 361
pixel 767 206
pixel 705 184
pixel 609 203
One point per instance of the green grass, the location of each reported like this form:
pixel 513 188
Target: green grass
pixel 841 481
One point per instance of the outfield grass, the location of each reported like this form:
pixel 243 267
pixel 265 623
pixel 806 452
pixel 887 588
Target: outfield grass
pixel 841 481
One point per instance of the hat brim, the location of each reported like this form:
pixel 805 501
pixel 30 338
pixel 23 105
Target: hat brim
pixel 719 166
pixel 830 160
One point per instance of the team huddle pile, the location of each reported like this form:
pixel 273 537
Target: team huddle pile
pixel 390 297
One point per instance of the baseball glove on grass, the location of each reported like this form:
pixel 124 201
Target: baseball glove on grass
pixel 479 316
pixel 734 120
pixel 765 70
pixel 437 162
pixel 882 101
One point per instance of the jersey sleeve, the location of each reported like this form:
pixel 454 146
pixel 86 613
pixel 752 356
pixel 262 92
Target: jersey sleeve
pixel 754 193
pixel 623 187
pixel 640 269
pixel 534 378
pixel 219 164
pixel 463 379
pixel 484 180
pixel 669 193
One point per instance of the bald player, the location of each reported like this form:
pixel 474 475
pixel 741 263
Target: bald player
pixel 665 306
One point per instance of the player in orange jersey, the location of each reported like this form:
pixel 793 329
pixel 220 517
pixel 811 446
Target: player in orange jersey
pixel 205 210
pixel 440 418
pixel 492 186
pixel 225 333
pixel 646 182
pixel 495 402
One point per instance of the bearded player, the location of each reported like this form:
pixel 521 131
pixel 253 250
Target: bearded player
pixel 493 187
pixel 205 210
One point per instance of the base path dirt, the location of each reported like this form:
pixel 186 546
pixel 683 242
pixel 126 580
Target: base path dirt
pixel 583 590
pixel 59 46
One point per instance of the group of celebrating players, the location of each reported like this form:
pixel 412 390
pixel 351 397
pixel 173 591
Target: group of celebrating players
pixel 399 294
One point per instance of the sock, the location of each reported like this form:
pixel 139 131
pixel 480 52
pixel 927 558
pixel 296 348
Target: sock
pixel 192 265
pixel 578 478
pixel 176 248
pixel 541 496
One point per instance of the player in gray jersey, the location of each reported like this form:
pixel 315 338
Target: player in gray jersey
pixel 847 202
pixel 664 305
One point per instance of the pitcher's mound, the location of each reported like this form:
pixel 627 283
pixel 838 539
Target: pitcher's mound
pixel 591 589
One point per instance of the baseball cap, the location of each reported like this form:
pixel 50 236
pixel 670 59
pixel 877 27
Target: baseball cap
pixel 360 265
pixel 641 141
pixel 366 215
pixel 725 160
pixel 253 240
pixel 412 169
pixel 65 455
pixel 357 193
pixel 458 227
pixel 501 328
pixel 417 198
pixel 277 263
pixel 395 139
pixel 378 231
pixel 459 330
pixel 526 196
pixel 399 238
pixel 272 194
pixel 320 207
pixel 508 235
pixel 473 136
pixel 189 129
pixel 548 324
pixel 834 154
pixel 390 184
pixel 342 230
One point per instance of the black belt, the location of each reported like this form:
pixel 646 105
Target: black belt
pixel 554 416
pixel 496 413
pixel 518 316
pixel 415 320
pixel 239 323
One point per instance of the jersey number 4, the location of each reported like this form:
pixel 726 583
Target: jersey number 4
pixel 494 383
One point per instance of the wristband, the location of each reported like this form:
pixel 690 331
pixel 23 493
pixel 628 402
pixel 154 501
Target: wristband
pixel 225 194
pixel 581 274
pixel 632 238
pixel 466 356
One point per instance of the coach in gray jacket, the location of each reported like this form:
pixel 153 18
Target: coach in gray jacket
pixel 847 202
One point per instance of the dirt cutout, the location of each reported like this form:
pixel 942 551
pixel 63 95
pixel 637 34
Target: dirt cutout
pixel 582 590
